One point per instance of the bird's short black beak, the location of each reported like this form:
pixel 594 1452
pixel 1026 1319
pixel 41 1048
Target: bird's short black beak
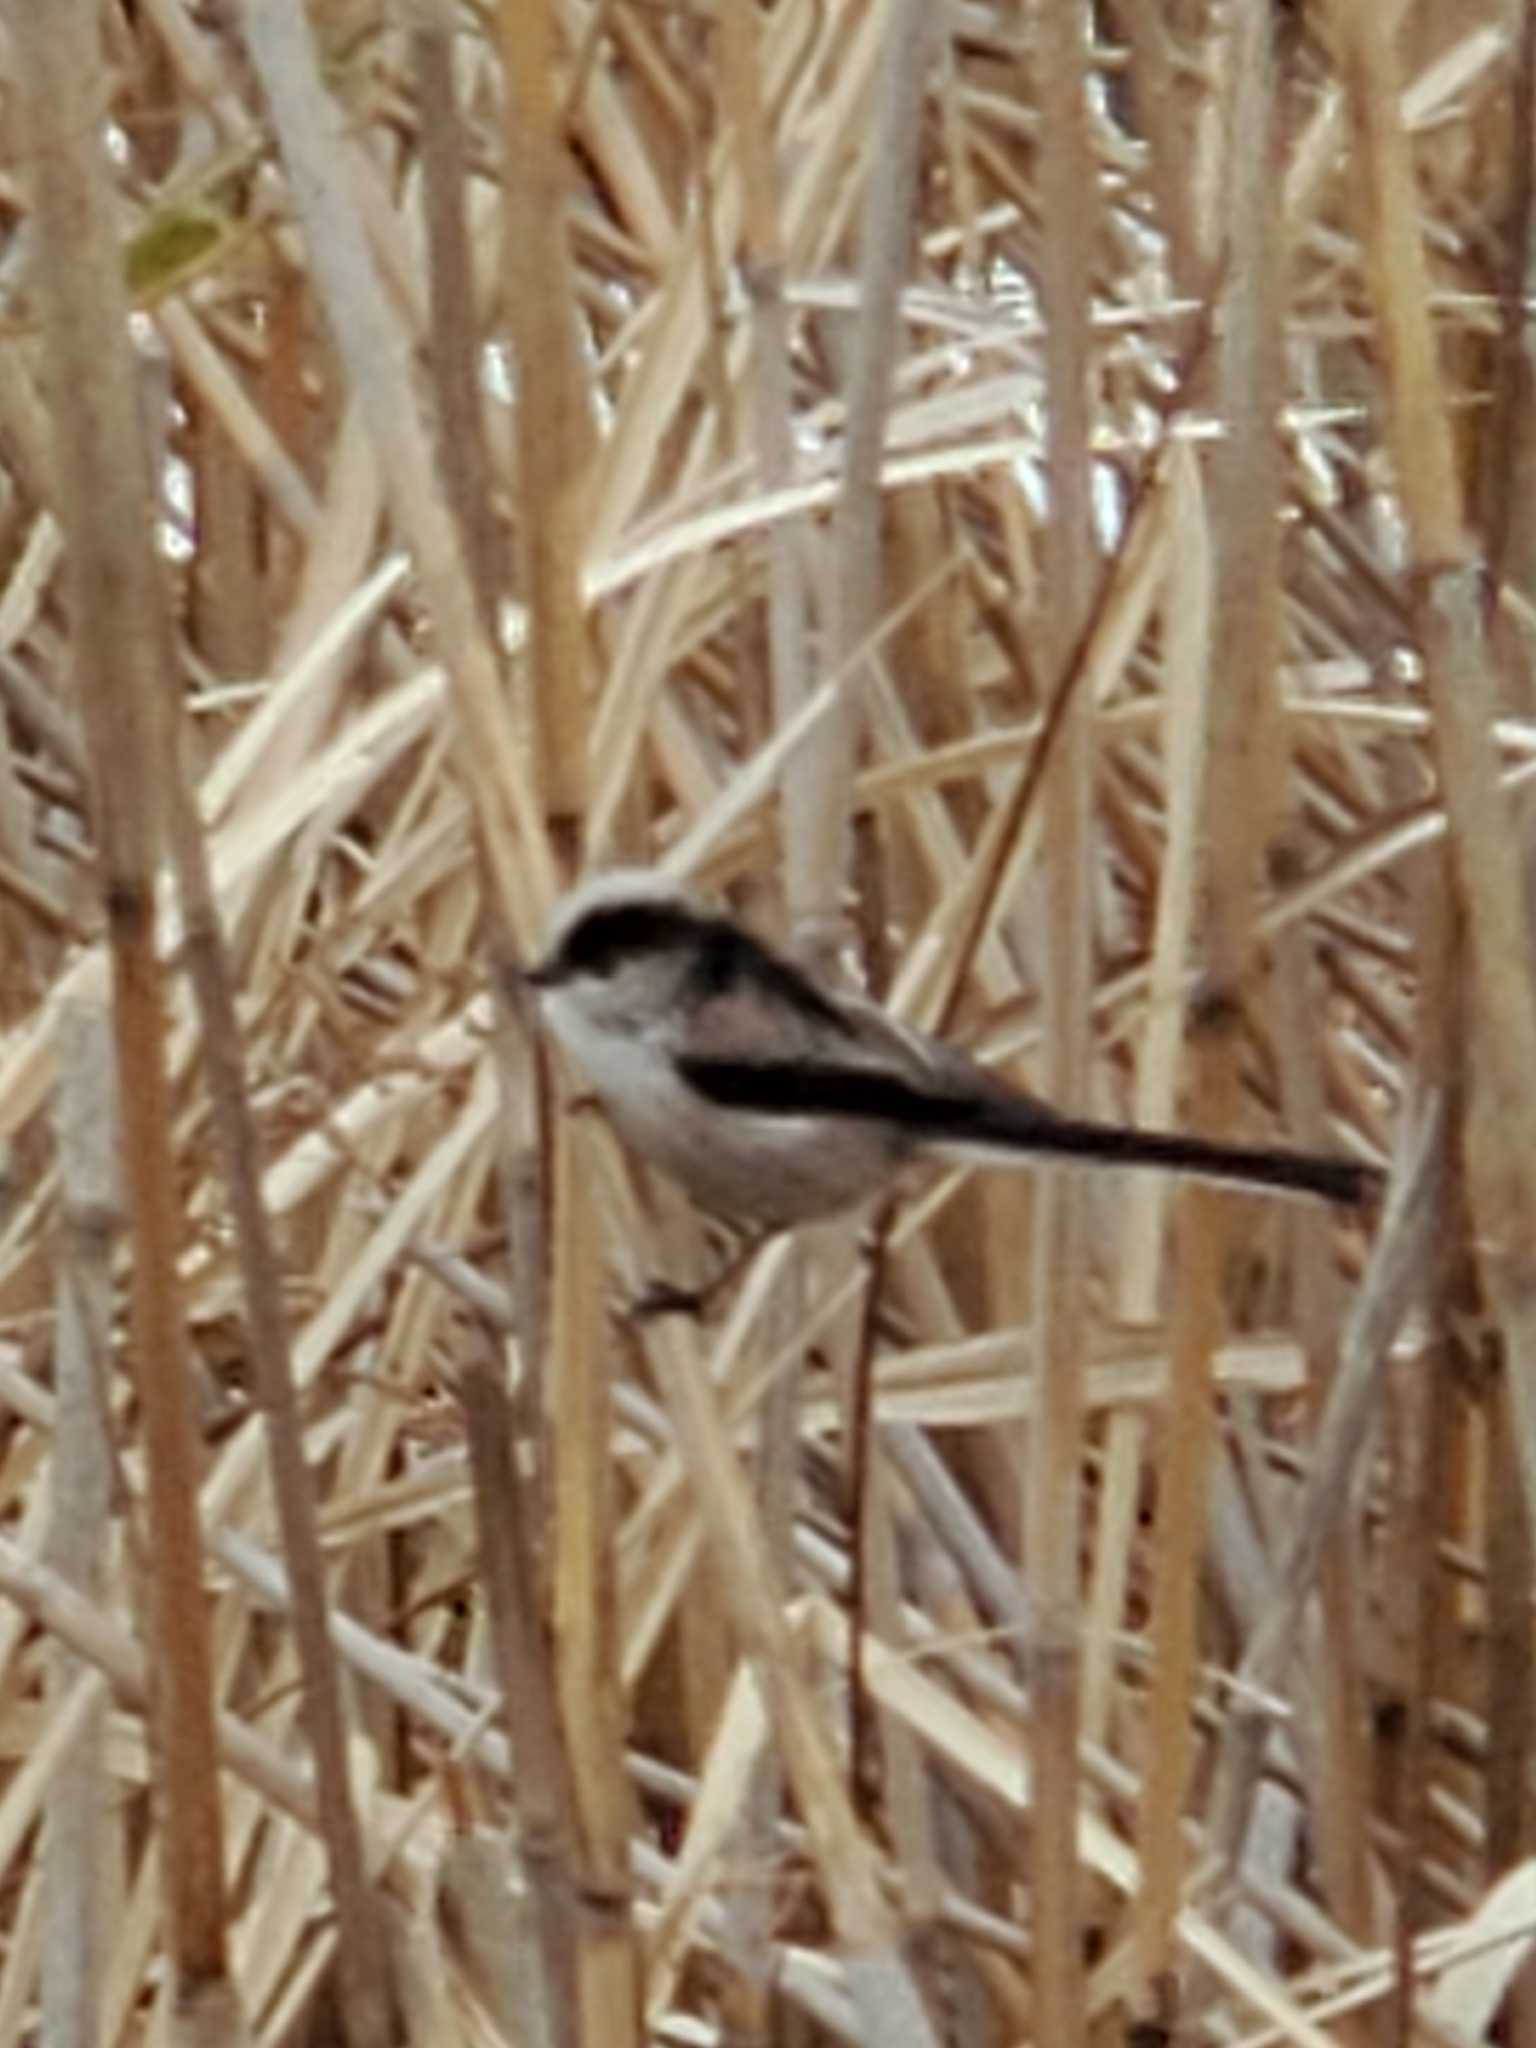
pixel 520 982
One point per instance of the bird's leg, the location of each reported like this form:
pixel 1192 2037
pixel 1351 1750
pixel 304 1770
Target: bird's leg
pixel 666 1298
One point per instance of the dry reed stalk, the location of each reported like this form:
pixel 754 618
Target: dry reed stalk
pixel 463 454
pixel 1186 621
pixel 363 1963
pixel 1242 781
pixel 554 461
pixel 549 1841
pixel 80 1854
pixel 122 629
pixel 554 427
pixel 742 96
pixel 1052 1501
pixel 762 268
pixel 857 596
pixel 580 1539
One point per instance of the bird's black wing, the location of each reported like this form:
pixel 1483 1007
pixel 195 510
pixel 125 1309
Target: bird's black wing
pixel 834 1088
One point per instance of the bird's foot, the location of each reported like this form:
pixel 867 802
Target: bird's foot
pixel 665 1298
pixel 659 1298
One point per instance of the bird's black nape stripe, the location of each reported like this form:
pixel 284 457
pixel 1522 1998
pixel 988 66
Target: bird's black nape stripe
pixel 721 957
pixel 729 960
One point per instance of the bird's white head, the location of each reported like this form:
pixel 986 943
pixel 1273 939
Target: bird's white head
pixel 617 949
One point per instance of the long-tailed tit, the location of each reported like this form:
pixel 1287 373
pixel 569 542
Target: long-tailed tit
pixel 774 1100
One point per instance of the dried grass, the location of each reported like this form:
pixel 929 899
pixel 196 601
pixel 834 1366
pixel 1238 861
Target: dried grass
pixel 1124 1613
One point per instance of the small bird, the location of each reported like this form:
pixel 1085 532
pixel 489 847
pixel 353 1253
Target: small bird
pixel 774 1100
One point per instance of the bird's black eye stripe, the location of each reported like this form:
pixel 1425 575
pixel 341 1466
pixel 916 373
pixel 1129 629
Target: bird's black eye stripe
pixel 605 940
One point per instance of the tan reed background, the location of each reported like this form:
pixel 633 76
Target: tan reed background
pixel 1036 498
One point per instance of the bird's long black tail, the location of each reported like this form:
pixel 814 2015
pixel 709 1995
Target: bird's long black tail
pixel 995 1117
pixel 1330 1177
